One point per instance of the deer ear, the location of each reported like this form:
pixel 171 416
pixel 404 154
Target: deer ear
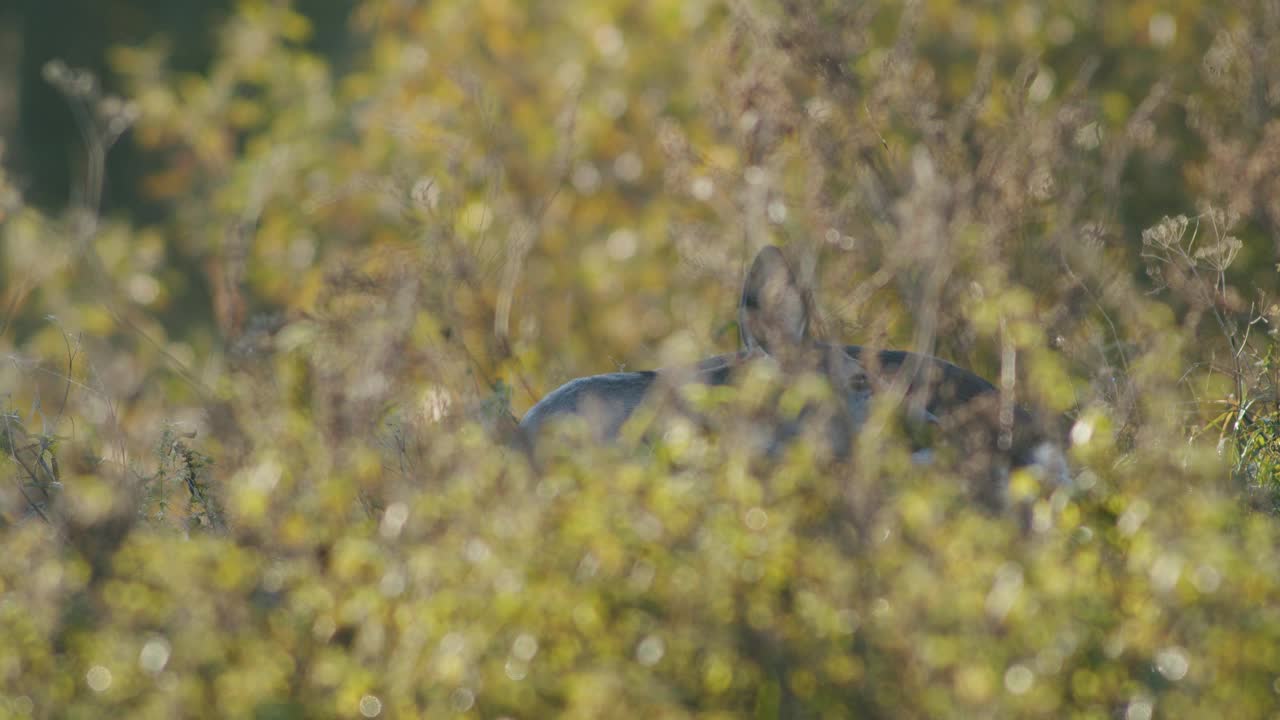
pixel 772 315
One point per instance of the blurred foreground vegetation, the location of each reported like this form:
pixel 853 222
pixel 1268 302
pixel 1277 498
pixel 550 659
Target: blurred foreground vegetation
pixel 255 452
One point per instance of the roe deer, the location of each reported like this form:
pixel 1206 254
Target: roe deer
pixel 773 322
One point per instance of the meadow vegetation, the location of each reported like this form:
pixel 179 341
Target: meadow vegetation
pixel 257 455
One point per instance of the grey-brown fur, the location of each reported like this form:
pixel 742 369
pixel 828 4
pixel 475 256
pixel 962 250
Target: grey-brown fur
pixel 774 322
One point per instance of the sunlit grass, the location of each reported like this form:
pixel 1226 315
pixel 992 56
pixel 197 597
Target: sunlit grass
pixel 260 459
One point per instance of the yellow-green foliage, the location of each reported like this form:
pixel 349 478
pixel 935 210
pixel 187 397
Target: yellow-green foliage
pixel 259 457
